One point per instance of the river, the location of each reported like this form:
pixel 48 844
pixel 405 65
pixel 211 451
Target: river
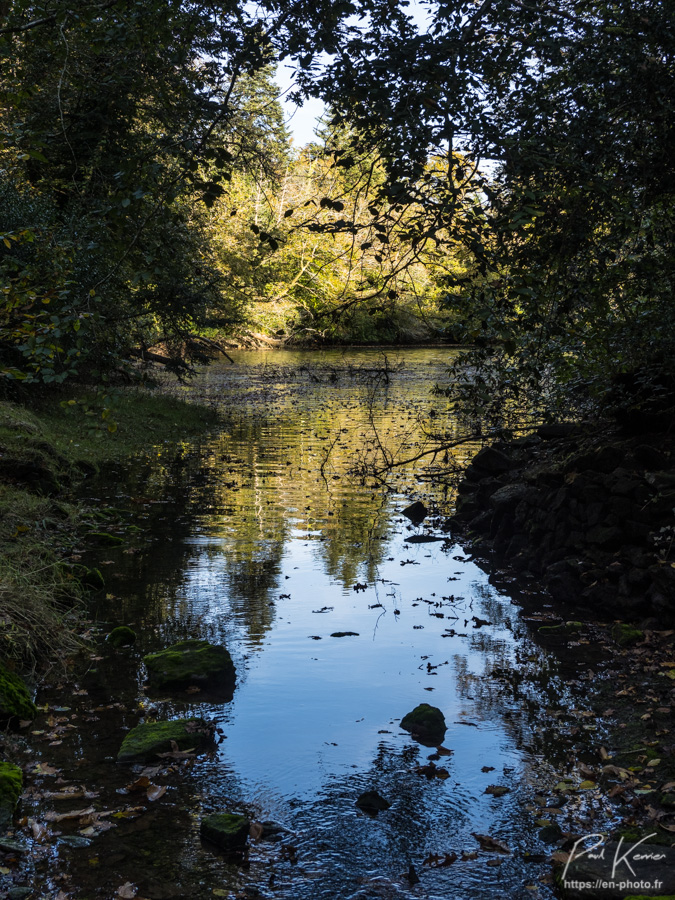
pixel 263 536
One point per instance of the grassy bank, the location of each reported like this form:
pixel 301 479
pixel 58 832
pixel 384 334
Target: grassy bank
pixel 45 451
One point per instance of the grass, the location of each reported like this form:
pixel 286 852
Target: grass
pixel 44 452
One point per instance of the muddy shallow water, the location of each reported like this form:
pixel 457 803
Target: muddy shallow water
pixel 259 537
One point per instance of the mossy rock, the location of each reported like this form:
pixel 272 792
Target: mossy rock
pixel 625 635
pixel 11 783
pixel 229 831
pixel 122 636
pixel 191 663
pixel 426 724
pixel 15 701
pixel 562 630
pixel 145 742
pixel 88 578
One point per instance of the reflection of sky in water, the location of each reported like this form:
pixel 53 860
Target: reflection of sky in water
pixel 281 543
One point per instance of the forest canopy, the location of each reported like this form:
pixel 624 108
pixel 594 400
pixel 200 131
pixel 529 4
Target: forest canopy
pixel 151 196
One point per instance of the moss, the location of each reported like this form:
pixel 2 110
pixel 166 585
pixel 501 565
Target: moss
pixel 625 635
pixel 147 741
pixel 564 628
pixel 425 723
pixel 15 701
pixel 11 783
pixel 229 831
pixel 189 663
pixel 105 539
pixel 122 636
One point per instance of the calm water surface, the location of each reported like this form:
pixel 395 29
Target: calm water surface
pixel 259 537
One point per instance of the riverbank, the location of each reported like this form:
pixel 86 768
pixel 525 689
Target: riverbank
pixel 46 450
pixel 586 514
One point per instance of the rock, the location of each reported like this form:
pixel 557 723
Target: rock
pixel 92 578
pixel 557 430
pixel 509 496
pixel 625 635
pixel 145 742
pixel 229 831
pixel 561 630
pixel 15 701
pixel 549 834
pixel 426 724
pixel 11 784
pixel 191 663
pixel 423 539
pixel 371 802
pixel 606 536
pixel 122 636
pixel 491 460
pixel 416 512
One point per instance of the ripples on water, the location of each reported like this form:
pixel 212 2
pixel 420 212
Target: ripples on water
pixel 246 540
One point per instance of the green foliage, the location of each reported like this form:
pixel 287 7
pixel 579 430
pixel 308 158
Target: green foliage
pixel 15 701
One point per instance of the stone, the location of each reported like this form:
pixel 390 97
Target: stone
pixel 147 741
pixel 491 460
pixel 122 636
pixel 15 700
pixel 371 802
pixel 426 724
pixel 509 496
pixel 11 784
pixel 229 831
pixel 625 635
pixel 416 512
pixel 191 663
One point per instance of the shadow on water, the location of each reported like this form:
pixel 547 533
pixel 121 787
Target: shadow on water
pixel 258 538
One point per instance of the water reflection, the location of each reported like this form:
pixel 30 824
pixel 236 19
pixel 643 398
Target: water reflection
pixel 260 538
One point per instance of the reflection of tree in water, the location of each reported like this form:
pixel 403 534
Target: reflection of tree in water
pixel 252 581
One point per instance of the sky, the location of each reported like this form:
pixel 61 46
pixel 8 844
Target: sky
pixel 302 121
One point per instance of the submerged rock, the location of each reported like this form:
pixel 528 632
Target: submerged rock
pixel 625 635
pixel 191 663
pixel 122 636
pixel 15 701
pixel 229 831
pixel 149 740
pixel 11 783
pixel 426 724
pixel 371 802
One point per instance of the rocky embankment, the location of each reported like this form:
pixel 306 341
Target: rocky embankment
pixel 590 516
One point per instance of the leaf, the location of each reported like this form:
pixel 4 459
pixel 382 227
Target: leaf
pixel 435 861
pixel 127 891
pixel 497 790
pixel 490 844
pixel 256 831
pixel 73 814
pixel 156 791
pixel 141 784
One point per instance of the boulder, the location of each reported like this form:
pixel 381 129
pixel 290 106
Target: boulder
pixel 229 831
pixel 122 636
pixel 147 741
pixel 15 701
pixel 489 459
pixel 11 783
pixel 426 724
pixel 625 635
pixel 191 663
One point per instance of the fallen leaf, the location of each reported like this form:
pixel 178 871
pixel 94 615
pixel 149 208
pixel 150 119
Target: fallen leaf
pixel 560 856
pixel 256 831
pixel 491 844
pixel 39 830
pixel 156 791
pixel 488 769
pixel 469 854
pixel 73 814
pixel 436 861
pixel 141 784
pixel 46 769
pixel 127 891
pixel 497 790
